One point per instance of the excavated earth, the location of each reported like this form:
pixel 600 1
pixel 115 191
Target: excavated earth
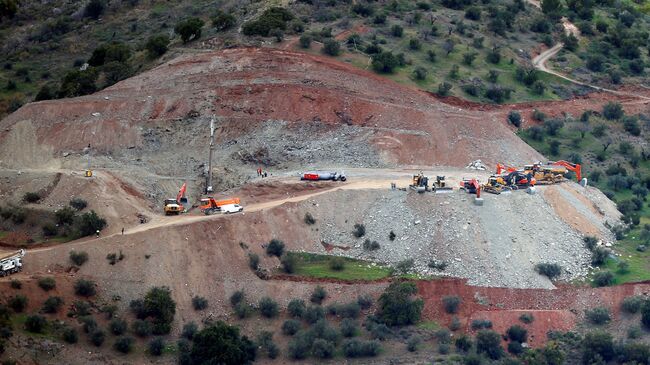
pixel 286 112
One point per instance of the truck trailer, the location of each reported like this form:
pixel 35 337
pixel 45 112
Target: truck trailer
pixel 11 263
pixel 323 175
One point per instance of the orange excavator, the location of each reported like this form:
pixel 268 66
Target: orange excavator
pixel 570 166
pixel 501 169
pixel 472 186
pixel 176 206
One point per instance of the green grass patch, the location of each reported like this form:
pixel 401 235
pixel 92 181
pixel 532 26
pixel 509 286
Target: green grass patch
pixel 429 325
pixel 317 266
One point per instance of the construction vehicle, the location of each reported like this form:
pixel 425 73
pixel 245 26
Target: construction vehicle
pixel 176 206
pixel 11 263
pixel 571 167
pixel 440 186
pixel 419 183
pixel 496 185
pixel 323 175
pixel 501 169
pixel 211 206
pixel 231 208
pixel 471 186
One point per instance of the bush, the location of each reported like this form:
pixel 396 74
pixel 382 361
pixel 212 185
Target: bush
pixel 331 47
pixel 349 328
pixel 209 345
pixel 489 343
pixel 268 307
pixel 549 270
pixel 94 9
pixel 47 284
pixel 290 327
pixel 97 337
pixel 272 18
pixel 309 219
pixel 35 323
pixel 318 295
pixel 243 310
pixel 157 45
pixel 313 314
pixel 189 29
pixel 90 223
pixel 65 216
pixel 89 323
pixel 16 284
pixel 397 307
pixel 397 31
pixel 632 304
pixel 124 344
pixel 481 324
pixel 634 332
pixel 369 245
pixel 553 126
pixel 118 326
pixel 613 110
pixel 52 304
pixel 336 263
pixel 515 348
pixel 598 315
pixel 296 308
pixel 156 346
pixel 473 13
pixel 31 197
pixel 631 125
pixel 50 230
pixel 275 248
pixel 356 348
pixel 517 333
pixel 463 343
pixel 69 335
pixel 305 41
pixel 364 301
pixel 199 303
pixel 84 288
pixel 82 308
pixel 253 261
pixel 237 297
pixel 159 304
pixel 404 266
pixel 590 242
pixel 18 303
pixel 420 73
pixel 604 278
pixel 222 21
pixel 527 318
pixel 597 346
pixel 599 255
pixel 141 328
pixel 451 303
pixel 189 330
pixel 413 342
pixel 322 349
pixel 359 230
pixel 289 263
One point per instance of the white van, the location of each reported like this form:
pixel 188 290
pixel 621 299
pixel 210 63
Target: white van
pixel 231 208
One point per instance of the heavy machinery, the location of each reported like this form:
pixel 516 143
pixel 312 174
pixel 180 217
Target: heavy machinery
pixel 501 169
pixel 420 183
pixel 571 167
pixel 518 179
pixel 496 185
pixel 210 205
pixel 440 185
pixel 11 263
pixel 176 206
pixel 323 175
pixel 471 186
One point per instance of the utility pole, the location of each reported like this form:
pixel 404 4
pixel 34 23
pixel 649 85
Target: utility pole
pixel 209 185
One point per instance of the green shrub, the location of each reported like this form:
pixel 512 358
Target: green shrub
pixel 384 62
pixel 84 288
pixel 359 230
pixel 199 303
pixel 322 349
pixel 52 304
pixel 30 197
pixel 517 333
pixel 349 328
pixel 527 318
pixel 598 315
pixel 313 314
pixel 369 245
pixel 50 230
pixel 365 301
pixel 451 304
pixel 222 21
pixel 305 41
pixel 158 303
pixel 90 223
pixel 237 297
pixel 331 47
pixel 397 307
pixel 397 31
pixel 253 261
pixel 69 335
pixel 420 73
pixel 515 348
pixel 463 343
pixel 35 323
pixel 243 310
pixel 590 242
pixel 336 263
pixel 156 346
pixel 599 255
pixel 309 219
pixel 124 344
pixel 379 331
pixel 141 328
pixel 355 348
pixel 189 29
pixel 209 345
pixel 94 9
pixel 16 284
pixel 632 304
pixel 413 342
pixel 82 308
pixel 604 278
pixel 613 110
pixel 403 267
pixel 65 216
pixel 296 308
pixel 597 346
pixel 189 330
pixel 47 283
pixel 444 88
pixel 118 326
pixel 549 270
pixel 157 46
pixel 318 295
pixel 18 303
pixel 268 307
pixel 289 263
pixel 97 337
pixel 290 327
pixel 89 323
pixel 489 343
pixel 275 248
pixel 481 324
pixel 272 18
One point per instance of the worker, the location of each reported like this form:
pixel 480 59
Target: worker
pixel 122 231
pixel 97 233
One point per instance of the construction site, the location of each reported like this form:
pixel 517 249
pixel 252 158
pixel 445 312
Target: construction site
pixel 200 162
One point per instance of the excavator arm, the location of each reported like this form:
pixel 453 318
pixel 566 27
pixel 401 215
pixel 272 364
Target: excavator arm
pixel 181 193
pixel 571 167
pixel 501 168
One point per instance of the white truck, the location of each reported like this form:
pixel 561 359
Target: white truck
pixel 231 208
pixel 11 263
